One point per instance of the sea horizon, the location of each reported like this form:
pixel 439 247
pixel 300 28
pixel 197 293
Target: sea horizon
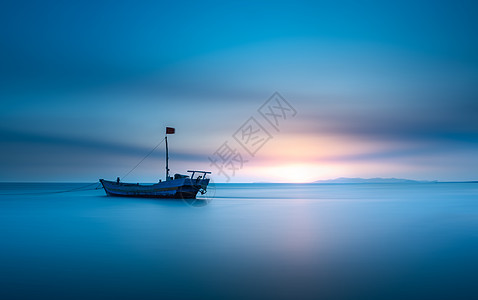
pixel 326 181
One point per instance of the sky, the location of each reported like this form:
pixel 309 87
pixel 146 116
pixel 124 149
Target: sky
pixel 371 89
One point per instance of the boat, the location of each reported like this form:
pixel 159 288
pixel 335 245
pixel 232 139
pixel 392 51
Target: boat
pixel 178 186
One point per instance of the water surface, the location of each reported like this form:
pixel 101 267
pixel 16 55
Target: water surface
pixel 252 241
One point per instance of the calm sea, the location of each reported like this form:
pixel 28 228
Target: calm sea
pixel 252 241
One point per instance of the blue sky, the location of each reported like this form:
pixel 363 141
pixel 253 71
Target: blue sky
pixel 382 89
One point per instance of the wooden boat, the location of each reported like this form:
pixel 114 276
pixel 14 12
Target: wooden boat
pixel 179 186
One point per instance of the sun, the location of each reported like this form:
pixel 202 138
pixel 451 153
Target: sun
pixel 293 173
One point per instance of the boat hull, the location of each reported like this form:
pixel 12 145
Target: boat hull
pixel 182 188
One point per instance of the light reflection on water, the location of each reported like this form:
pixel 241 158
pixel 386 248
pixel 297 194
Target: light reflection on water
pixel 362 241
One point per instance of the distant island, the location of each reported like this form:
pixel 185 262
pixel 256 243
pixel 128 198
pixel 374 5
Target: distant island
pixel 372 180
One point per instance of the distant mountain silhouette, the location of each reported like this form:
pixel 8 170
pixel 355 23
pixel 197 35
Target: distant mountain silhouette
pixel 370 180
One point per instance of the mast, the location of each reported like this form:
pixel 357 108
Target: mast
pixel 167 158
pixel 169 130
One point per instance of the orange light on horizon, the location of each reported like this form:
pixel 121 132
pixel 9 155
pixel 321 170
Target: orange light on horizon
pixel 295 172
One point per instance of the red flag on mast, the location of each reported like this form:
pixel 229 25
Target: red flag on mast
pixel 170 130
